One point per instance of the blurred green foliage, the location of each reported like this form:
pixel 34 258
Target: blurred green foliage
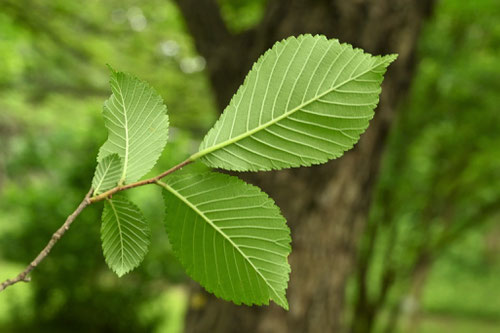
pixel 240 15
pixel 438 199
pixel 53 83
pixel 438 194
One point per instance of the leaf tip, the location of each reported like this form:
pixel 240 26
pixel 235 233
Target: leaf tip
pixel 111 69
pixel 282 302
pixel 390 58
pixel 120 273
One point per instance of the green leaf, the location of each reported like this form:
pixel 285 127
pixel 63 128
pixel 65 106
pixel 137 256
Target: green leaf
pixel 305 101
pixel 107 173
pixel 229 236
pixel 125 234
pixel 137 124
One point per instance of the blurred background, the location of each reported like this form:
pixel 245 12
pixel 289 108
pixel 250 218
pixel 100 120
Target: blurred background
pixel 427 258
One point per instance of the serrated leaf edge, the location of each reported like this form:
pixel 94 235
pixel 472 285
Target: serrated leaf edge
pixel 384 59
pixel 280 300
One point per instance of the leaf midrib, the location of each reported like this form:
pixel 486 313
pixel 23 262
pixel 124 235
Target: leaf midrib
pixel 119 233
pixel 216 228
pixel 125 162
pixel 275 120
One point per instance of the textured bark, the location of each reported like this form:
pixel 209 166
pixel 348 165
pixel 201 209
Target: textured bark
pixel 326 205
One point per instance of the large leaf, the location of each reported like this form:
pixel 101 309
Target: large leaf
pixel 305 101
pixel 229 236
pixel 107 173
pixel 125 234
pixel 136 119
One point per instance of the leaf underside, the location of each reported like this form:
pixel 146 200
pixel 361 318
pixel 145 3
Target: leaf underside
pixel 229 236
pixel 125 234
pixel 137 124
pixel 107 173
pixel 306 100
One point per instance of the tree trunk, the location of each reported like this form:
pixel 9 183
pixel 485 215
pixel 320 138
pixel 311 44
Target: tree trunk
pixel 326 205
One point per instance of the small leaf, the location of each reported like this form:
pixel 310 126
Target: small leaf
pixel 125 234
pixel 136 119
pixel 107 173
pixel 229 236
pixel 306 100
